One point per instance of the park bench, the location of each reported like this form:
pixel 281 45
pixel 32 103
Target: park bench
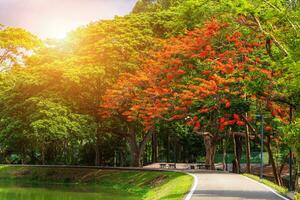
pixel 199 166
pixel 172 166
pixel 202 166
pixel 163 165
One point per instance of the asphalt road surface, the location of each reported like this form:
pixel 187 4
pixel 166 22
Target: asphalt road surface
pixel 225 186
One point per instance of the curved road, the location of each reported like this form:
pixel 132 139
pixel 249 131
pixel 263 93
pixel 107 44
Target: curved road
pixel 225 186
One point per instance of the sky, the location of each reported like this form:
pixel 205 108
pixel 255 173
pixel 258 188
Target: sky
pixel 54 18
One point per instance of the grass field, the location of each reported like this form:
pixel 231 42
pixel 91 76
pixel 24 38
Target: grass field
pixel 144 184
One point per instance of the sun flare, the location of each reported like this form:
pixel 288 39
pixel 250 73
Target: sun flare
pixel 58 29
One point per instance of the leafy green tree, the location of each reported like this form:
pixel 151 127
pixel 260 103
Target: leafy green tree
pixel 15 44
pixel 292 136
pixel 52 123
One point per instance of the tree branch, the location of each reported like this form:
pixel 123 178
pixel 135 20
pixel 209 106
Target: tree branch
pixel 277 43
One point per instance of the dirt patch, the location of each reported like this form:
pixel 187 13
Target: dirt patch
pixel 91 176
pixel 53 174
pixel 68 175
pixel 156 181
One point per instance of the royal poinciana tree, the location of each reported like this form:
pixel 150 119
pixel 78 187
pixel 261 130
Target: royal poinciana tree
pixel 209 79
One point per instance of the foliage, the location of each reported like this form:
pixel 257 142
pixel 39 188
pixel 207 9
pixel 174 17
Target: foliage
pixel 292 136
pixel 154 5
pixel 14 46
pixel 190 77
pixel 56 120
pixel 190 66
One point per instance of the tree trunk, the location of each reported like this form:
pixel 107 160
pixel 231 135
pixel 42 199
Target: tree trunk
pixel 224 155
pixel 175 150
pixel 154 148
pixel 297 183
pixel 179 152
pixel 248 150
pixel 235 166
pixel 239 150
pixel 271 159
pixel 297 179
pixel 43 150
pixel 134 151
pixel 97 155
pixel 97 149
pixel 168 148
pixel 210 148
pixel 137 148
pixel 136 158
pixel 214 148
pixel 122 158
pixel 285 160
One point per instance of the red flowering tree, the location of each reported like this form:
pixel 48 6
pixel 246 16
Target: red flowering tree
pixel 147 95
pixel 206 78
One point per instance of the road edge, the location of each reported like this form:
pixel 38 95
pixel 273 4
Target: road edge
pixel 267 187
pixel 192 190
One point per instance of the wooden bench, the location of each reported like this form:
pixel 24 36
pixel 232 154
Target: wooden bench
pixel 203 166
pixel 199 166
pixel 163 165
pixel 172 166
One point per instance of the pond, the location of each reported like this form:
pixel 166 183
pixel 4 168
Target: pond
pixel 22 191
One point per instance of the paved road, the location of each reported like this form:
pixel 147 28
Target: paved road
pixel 224 186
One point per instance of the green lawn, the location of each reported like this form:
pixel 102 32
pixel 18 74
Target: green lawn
pixel 144 184
pixel 279 189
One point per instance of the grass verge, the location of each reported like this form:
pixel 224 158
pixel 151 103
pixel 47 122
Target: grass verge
pixel 279 189
pixel 297 196
pixel 149 185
